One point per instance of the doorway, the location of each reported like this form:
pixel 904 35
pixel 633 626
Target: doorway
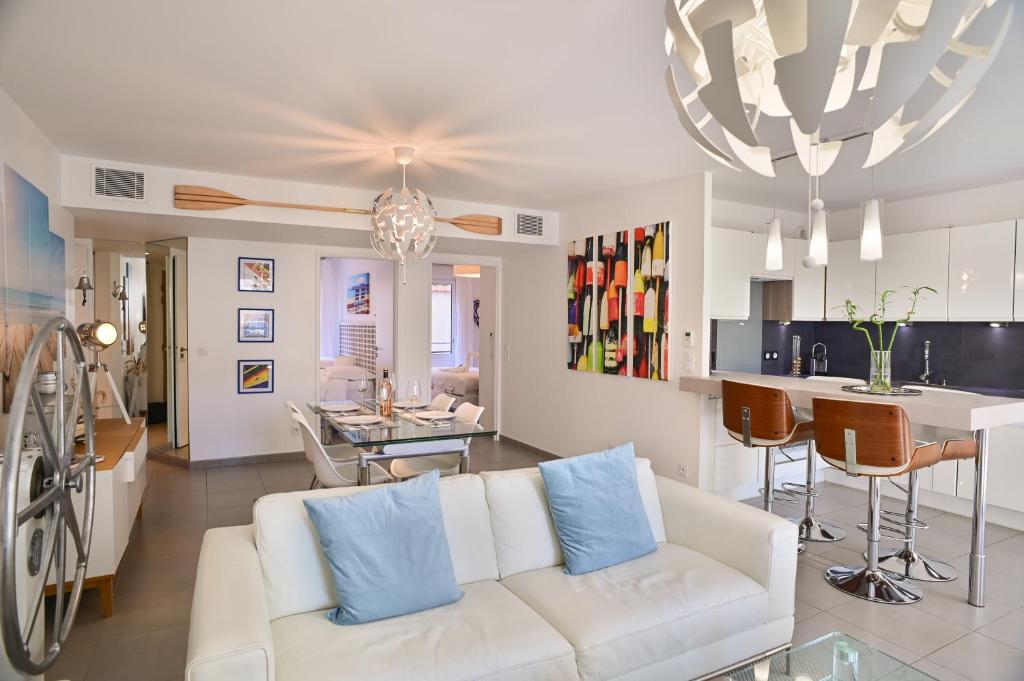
pixel 167 355
pixel 357 322
pixel 463 340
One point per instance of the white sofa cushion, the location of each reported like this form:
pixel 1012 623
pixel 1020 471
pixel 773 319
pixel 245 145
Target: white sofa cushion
pixel 489 634
pixel 296 576
pixel 524 535
pixel 632 615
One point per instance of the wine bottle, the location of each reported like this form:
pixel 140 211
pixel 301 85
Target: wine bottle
pixel 386 396
pixel 650 308
pixel 658 252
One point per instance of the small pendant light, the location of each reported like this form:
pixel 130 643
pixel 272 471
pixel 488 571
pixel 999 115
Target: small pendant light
pixel 773 247
pixel 871 226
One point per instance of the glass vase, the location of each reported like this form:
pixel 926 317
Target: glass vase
pixel 880 379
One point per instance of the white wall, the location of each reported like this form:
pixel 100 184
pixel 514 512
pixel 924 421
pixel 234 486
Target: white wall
pixel 568 412
pixel 224 424
pixel 25 148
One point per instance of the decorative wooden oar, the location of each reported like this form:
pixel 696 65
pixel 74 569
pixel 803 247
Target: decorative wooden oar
pixel 191 197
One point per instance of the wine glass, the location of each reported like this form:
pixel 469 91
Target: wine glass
pixel 362 387
pixel 414 392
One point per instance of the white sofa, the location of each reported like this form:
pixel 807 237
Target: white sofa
pixel 719 589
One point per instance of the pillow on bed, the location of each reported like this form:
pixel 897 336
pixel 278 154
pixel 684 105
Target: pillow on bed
pixel 454 370
pixel 347 372
pixel 344 361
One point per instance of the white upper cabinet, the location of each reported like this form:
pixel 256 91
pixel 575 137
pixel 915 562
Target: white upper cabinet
pixel 735 256
pixel 1018 276
pixel 912 260
pixel 808 284
pixel 981 272
pixel 848 277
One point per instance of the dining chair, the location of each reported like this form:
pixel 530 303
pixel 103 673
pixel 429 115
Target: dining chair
pixel 448 452
pixel 442 402
pixel 331 473
pixel 342 453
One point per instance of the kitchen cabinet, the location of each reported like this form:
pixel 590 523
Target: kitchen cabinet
pixel 808 285
pixel 735 255
pixel 848 277
pixel 981 272
pixel 911 260
pixel 1018 276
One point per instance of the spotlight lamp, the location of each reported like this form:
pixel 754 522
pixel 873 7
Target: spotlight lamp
pixel 97 335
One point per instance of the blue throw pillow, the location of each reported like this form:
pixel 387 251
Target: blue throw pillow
pixel 387 550
pixel 597 510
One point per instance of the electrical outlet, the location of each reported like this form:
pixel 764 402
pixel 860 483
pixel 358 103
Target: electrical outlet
pixel 684 472
pixel 294 430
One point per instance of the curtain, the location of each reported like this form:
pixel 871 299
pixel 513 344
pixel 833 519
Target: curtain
pixel 467 333
pixel 332 292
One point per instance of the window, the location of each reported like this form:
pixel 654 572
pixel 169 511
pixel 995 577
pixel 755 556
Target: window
pixel 441 331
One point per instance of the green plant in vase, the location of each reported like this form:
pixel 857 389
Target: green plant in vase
pixel 880 380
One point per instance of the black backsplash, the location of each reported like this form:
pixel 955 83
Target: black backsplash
pixel 970 354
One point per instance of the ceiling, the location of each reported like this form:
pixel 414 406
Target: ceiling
pixel 531 103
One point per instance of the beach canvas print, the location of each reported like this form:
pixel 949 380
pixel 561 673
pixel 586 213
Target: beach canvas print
pixel 357 298
pixel 32 279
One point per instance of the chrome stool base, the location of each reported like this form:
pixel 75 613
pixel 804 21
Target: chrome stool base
pixel 812 529
pixel 910 564
pixel 873 585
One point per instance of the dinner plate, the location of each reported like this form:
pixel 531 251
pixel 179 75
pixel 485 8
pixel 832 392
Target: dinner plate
pixel 340 408
pixel 361 420
pixel 435 415
pixel 410 404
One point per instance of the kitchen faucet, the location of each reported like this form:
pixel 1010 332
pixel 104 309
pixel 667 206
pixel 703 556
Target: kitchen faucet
pixel 927 375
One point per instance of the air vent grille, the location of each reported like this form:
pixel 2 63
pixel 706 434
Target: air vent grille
pixel 529 225
pixel 116 183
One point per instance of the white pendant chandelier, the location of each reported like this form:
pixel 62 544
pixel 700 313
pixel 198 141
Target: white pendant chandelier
pixel 748 60
pixel 402 224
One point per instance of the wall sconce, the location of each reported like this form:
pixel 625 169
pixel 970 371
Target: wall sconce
pixel 118 291
pixel 84 285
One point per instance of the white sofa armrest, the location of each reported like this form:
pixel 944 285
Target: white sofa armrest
pixel 229 636
pixel 758 544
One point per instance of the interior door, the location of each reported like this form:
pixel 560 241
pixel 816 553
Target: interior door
pixel 488 344
pixel 178 350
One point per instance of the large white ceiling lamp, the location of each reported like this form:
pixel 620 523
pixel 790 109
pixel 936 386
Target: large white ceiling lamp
pixel 750 59
pixel 403 224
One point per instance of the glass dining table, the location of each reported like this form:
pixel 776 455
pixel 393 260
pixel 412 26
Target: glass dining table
pixel 404 427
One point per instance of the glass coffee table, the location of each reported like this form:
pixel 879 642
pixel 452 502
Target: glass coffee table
pixel 835 657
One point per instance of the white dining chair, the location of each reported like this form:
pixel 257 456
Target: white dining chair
pixel 331 473
pixel 342 453
pixel 447 453
pixel 442 402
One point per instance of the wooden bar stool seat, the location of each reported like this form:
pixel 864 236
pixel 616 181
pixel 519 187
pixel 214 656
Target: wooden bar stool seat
pixel 760 416
pixel 873 440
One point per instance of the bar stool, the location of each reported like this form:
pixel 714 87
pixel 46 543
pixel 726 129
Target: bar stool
pixel 906 561
pixel 874 440
pixel 760 416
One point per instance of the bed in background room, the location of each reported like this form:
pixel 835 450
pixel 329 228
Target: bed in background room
pixel 461 382
pixel 339 379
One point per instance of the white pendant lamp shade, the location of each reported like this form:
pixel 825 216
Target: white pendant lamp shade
pixel 871 231
pixel 773 250
pixel 747 60
pixel 817 252
pixel 402 224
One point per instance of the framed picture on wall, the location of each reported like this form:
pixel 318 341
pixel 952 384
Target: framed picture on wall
pixel 256 274
pixel 255 376
pixel 357 296
pixel 255 325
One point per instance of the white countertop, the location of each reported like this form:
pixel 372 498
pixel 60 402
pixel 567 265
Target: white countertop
pixel 944 408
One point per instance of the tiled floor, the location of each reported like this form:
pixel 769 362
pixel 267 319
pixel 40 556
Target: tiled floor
pixel 942 635
pixel 147 636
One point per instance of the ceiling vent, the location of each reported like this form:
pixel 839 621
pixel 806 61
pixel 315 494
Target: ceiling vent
pixel 529 225
pixel 117 183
